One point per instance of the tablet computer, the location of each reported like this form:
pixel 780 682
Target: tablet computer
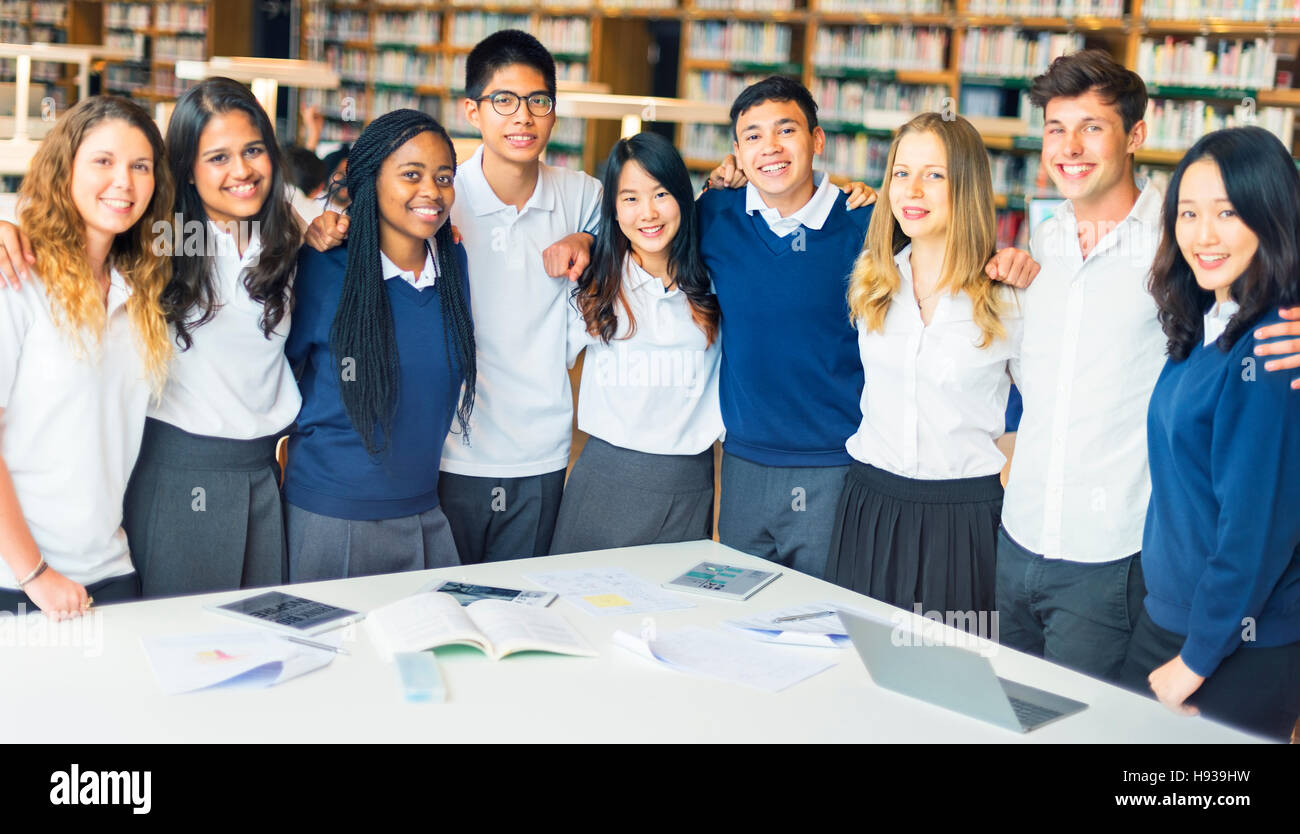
pixel 287 613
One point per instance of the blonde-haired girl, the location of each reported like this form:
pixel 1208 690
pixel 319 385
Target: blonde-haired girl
pixel 918 518
pixel 82 349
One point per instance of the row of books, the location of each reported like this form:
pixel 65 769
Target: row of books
pixel 1200 62
pixel 1014 52
pixel 1047 8
pixel 173 48
pixel 1174 124
pixel 1013 173
pixel 746 5
pixel 881 47
pixel 882 6
pixel 707 142
pixel 12 32
pixel 405 68
pixel 571 133
pixel 857 156
pixel 418 28
pixel 340 26
pixel 1263 11
pixel 564 71
pixel 848 100
pixel 51 12
pixel 468 28
pixel 125 77
pixel 739 41
pixel 387 100
pixel 566 35
pixel 127 15
pixel 717 86
pixel 180 17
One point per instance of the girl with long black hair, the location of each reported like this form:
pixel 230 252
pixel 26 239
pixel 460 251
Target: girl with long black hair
pixel 384 347
pixel 1219 632
pixel 644 311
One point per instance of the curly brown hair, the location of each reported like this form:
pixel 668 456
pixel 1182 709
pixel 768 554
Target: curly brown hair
pixel 50 218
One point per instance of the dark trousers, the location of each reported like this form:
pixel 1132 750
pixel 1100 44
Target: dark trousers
pixel 496 519
pixel 1078 614
pixel 106 591
pixel 1255 689
pixel 785 514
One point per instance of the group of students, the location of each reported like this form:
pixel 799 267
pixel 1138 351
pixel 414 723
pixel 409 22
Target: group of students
pixel 859 361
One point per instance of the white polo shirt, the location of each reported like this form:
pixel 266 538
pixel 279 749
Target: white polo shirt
pixel 70 431
pixel 937 401
pixel 1091 354
pixel 656 392
pixel 427 277
pixel 812 214
pixel 523 406
pixel 232 382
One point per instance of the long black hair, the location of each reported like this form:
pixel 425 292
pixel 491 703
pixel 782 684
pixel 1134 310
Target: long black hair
pixel 192 288
pixel 1264 189
pixel 363 323
pixel 601 284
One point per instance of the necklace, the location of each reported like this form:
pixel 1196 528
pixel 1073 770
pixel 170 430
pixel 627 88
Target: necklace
pixel 923 299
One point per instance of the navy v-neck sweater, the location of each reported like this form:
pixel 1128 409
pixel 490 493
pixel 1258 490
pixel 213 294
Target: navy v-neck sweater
pixel 790 383
pixel 329 472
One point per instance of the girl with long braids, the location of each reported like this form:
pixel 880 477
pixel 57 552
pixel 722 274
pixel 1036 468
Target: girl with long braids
pixel 203 509
pixel 384 347
pixel 645 314
pixel 83 349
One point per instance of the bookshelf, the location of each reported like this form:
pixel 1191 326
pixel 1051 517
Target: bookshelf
pixel 162 32
pixel 54 22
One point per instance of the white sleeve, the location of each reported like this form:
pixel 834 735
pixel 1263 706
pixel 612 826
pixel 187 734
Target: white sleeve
pixel 591 196
pixel 15 320
pixel 578 337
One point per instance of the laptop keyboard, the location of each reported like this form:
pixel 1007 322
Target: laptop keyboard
pixel 1031 715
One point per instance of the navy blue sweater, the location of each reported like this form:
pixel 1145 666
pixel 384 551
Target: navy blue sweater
pixel 790 383
pixel 1222 538
pixel 329 472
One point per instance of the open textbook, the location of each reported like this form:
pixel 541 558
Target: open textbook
pixel 428 620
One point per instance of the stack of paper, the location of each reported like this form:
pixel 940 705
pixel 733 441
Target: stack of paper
pixel 189 662
pixel 605 592
pixel 809 630
pixel 713 653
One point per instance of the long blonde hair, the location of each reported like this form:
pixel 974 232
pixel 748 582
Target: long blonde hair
pixel 971 238
pixel 50 218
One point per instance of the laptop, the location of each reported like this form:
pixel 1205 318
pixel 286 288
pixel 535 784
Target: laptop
pixel 953 678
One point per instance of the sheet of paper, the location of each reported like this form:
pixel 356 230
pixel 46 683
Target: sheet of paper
pixel 417 622
pixel 722 655
pixel 825 631
pixel 606 592
pixel 512 627
pixel 189 662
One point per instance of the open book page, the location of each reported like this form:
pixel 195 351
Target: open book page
pixel 422 621
pixel 513 628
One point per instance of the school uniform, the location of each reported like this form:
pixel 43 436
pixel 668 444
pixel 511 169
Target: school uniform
pixel 918 519
pixel 790 377
pixel 1069 583
pixel 203 510
pixel 69 435
pixel 350 513
pixel 649 402
pixel 1221 545
pixel 501 491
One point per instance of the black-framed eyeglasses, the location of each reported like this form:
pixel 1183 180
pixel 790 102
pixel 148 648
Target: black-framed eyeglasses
pixel 506 103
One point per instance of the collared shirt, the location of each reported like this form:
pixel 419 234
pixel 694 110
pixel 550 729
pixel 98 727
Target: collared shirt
pixel 71 429
pixel 427 277
pixel 233 382
pixel 934 403
pixel 1216 321
pixel 523 408
pixel 656 391
pixel 1092 351
pixel 813 214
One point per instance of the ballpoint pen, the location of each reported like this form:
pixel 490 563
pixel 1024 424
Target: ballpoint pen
pixel 326 646
pixel 794 617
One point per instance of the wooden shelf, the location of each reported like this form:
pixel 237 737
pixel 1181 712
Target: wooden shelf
pixel 696 164
pixel 1216 26
pixel 1086 24
pixel 880 19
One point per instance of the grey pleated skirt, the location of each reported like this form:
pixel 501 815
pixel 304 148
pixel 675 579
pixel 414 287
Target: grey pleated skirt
pixel 905 540
pixel 324 547
pixel 203 513
pixel 616 497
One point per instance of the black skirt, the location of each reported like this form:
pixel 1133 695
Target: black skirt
pixel 905 541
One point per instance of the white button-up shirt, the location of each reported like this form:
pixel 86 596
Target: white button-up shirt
pixel 1091 355
pixel 1216 321
pixel 523 406
pixel 813 214
pixel 427 277
pixel 232 382
pixel 934 403
pixel 656 392
pixel 71 430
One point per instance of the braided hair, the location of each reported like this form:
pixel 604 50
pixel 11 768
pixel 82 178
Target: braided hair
pixel 363 323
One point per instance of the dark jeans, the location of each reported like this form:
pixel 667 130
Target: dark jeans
pixel 106 591
pixel 1077 614
pixel 495 519
pixel 1255 689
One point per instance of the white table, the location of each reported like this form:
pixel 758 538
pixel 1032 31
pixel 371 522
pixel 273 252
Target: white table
pixel 618 697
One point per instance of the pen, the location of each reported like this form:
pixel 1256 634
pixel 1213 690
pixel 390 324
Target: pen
pixel 794 617
pixel 326 646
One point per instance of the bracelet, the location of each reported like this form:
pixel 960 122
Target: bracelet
pixel 36 571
